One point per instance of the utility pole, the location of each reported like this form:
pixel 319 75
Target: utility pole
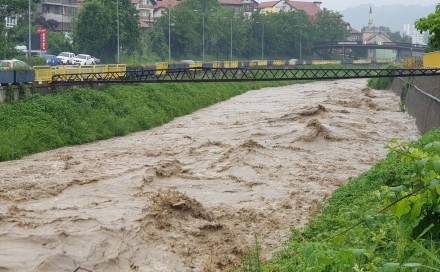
pixel 169 32
pixel 30 42
pixel 203 36
pixel 117 28
pixel 231 39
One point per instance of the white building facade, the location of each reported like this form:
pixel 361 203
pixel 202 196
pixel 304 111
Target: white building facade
pixel 416 36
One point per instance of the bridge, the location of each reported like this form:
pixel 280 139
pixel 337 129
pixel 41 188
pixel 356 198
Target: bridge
pixel 201 74
pixel 343 45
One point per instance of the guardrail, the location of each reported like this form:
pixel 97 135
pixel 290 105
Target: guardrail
pixel 44 74
pixel 358 43
pixel 16 76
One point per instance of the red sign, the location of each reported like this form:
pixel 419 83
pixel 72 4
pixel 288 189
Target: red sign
pixel 43 41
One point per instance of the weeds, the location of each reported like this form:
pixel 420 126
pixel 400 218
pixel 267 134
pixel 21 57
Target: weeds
pixel 251 260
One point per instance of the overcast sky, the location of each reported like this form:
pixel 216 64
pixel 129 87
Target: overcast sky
pixel 340 5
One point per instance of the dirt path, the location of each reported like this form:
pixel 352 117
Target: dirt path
pixel 189 195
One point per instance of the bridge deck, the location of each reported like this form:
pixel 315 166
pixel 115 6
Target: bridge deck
pixel 234 75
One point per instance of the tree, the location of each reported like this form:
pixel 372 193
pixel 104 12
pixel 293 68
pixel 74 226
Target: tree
pixel 95 34
pixel 431 24
pixel 92 31
pixel 14 7
pixel 129 29
pixel 57 42
pixel 286 34
pixel 17 35
pixel 329 27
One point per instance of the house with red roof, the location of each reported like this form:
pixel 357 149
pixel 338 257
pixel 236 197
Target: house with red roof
pixel 247 6
pixel 150 10
pixel 310 8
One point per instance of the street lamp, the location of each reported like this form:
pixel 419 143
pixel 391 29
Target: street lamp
pixel 169 32
pixel 231 39
pixel 203 33
pixel 203 36
pixel 29 42
pixel 117 29
pixel 343 43
pixel 300 42
pixel 262 40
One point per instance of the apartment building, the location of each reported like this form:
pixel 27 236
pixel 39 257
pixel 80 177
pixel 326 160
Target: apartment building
pixel 61 11
pixel 416 36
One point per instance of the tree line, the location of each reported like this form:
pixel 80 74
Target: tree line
pixel 194 29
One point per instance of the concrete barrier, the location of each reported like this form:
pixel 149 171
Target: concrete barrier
pixel 421 97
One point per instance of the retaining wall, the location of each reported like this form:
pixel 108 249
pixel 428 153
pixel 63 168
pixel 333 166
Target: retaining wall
pixel 421 97
pixel 4 96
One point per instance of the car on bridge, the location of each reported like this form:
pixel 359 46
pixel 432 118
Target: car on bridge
pixel 13 64
pixel 52 60
pixel 83 59
pixel 96 60
pixel 66 57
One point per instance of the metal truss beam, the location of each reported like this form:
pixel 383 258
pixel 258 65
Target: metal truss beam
pixel 234 75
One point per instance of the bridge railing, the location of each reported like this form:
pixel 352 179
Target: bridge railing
pixel 44 74
pixel 348 43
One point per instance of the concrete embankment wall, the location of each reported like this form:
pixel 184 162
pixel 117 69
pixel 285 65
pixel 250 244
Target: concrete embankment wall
pixel 421 98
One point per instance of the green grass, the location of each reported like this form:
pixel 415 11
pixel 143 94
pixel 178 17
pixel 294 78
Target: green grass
pixel 350 234
pixel 77 116
pixel 382 83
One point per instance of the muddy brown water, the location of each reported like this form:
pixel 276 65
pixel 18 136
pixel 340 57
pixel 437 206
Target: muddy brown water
pixel 192 194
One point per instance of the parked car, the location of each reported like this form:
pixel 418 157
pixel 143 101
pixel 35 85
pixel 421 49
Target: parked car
pixel 52 60
pixel 66 57
pixel 13 64
pixel 83 59
pixel 97 61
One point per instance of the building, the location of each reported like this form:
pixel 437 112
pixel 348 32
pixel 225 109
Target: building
pixel 373 35
pixel 61 11
pixel 245 6
pixel 416 36
pixel 310 8
pixel 10 22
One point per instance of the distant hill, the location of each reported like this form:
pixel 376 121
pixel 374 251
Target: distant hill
pixel 392 16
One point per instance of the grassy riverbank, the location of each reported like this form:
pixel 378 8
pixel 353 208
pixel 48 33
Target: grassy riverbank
pixel 80 116
pixel 352 232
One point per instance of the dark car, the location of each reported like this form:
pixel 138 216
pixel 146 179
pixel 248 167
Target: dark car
pixel 96 60
pixel 52 60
